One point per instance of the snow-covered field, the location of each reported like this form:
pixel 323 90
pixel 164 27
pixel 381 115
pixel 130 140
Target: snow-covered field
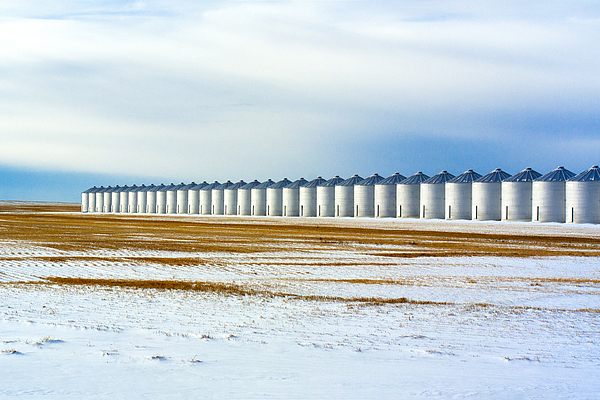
pixel 469 326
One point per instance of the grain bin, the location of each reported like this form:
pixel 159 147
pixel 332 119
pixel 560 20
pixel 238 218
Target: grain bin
pixel 123 199
pixel 433 196
pixel 92 199
pixel 161 198
pixel 326 196
pixel 459 195
pixel 142 199
pixel 181 197
pixel 99 195
pixel 549 196
pixel 132 199
pixel 487 196
pixel 206 198
pixel 516 195
pixel 275 198
pixel 85 199
pixel 385 196
pixel 107 199
pixel 245 198
pixel 151 199
pixel 364 196
pixel 408 196
pixel 583 197
pixel 230 196
pixel 258 198
pixel 291 198
pixel 344 196
pixel 115 199
pixel 171 206
pixel 308 198
pixel 218 198
pixel 194 198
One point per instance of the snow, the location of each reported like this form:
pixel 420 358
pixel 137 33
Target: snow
pixel 498 327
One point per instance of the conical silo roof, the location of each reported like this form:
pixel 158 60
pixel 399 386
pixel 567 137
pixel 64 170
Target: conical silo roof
pixel 142 188
pixel 466 177
pixel 251 185
pixel 149 188
pixel 442 177
pixel 393 179
pixel 90 190
pixel 415 179
pixel 496 175
pixel 560 174
pixel 103 189
pixel 285 182
pixel 225 185
pixel 298 183
pixel 336 180
pixel 266 184
pixel 186 186
pixel 132 188
pixel 592 174
pixel 352 181
pixel 371 180
pixel 158 188
pixel 237 185
pixel 167 188
pixel 527 175
pixel 212 186
pixel 199 186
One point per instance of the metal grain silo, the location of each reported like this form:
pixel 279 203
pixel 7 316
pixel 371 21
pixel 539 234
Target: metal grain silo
pixel 171 206
pixel 92 199
pixel 181 197
pixel 275 198
pixel 258 198
pixel 459 195
pixel 385 196
pixel 291 198
pixel 245 198
pixel 194 198
pixel 107 199
pixel 123 199
pixel 344 197
pixel 583 197
pixel 151 196
pixel 141 201
pixel 85 199
pixel 548 194
pixel 326 196
pixel 364 196
pixel 99 199
pixel 132 199
pixel 433 196
pixel 408 196
pixel 161 198
pixel 206 198
pixel 487 196
pixel 218 198
pixel 230 196
pixel 516 195
pixel 308 198
pixel 115 199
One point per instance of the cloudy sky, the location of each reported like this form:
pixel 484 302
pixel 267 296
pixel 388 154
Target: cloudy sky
pixel 121 92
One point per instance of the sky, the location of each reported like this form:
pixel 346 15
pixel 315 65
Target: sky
pixel 122 92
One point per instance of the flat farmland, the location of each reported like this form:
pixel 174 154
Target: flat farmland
pixel 244 307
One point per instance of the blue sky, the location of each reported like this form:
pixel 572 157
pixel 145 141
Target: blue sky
pixel 105 93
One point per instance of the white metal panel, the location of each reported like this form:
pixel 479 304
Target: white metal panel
pixel 325 201
pixel 85 202
pixel 364 200
pixel 459 200
pixel 308 201
pixel 182 201
pixel 193 201
pixel 291 202
pixel 92 202
pixel 132 202
pixel 244 202
pixel 142 201
pixel 123 201
pixel 99 202
pixel 151 202
pixel 218 201
pixel 487 201
pixel 344 201
pixel 205 202
pixel 548 201
pixel 408 200
pixel 115 202
pixel 385 201
pixel 516 201
pixel 107 201
pixel 433 201
pixel 274 202
pixel 583 202
pixel 161 202
pixel 258 200
pixel 230 202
